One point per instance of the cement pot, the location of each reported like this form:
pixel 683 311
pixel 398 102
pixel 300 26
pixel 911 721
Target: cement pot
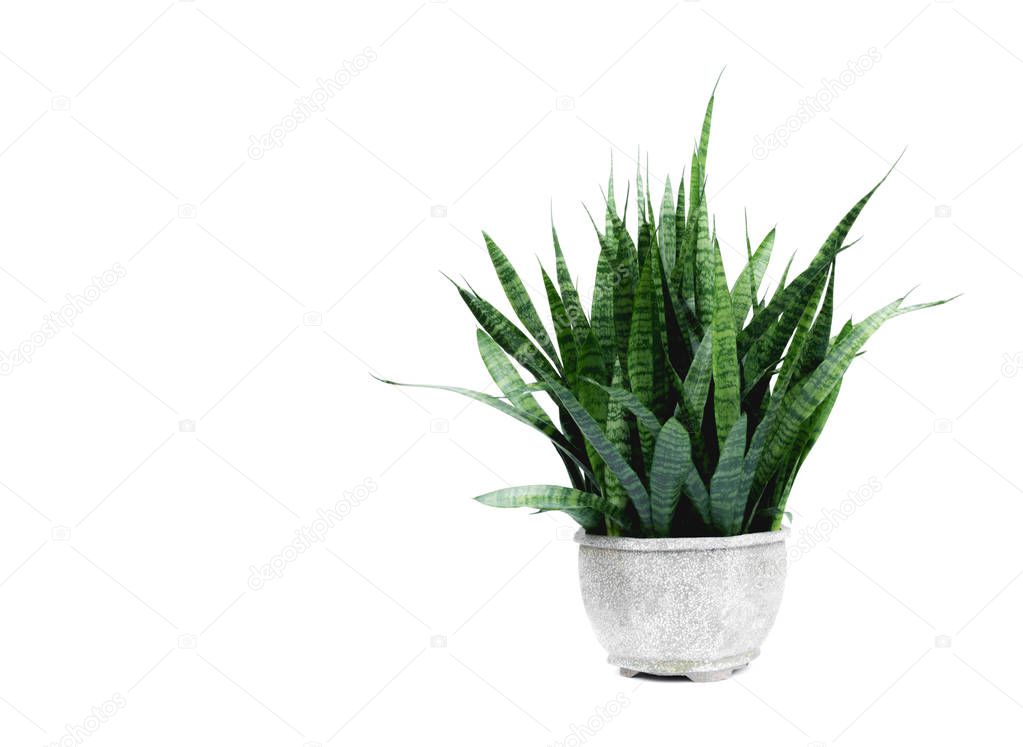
pixel 694 606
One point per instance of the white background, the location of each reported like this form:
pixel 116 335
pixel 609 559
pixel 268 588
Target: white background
pixel 127 538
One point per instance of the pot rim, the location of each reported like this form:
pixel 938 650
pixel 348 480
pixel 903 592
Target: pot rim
pixel 678 544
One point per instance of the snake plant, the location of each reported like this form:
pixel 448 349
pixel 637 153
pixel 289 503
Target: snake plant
pixel 685 406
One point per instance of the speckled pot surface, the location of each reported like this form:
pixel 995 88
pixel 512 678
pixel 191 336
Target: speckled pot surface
pixel 694 606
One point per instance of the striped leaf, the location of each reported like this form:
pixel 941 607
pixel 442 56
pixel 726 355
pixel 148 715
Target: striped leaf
pixel 675 383
pixel 680 221
pixel 641 216
pixel 506 334
pixel 816 346
pixel 797 347
pixel 651 215
pixel 612 209
pixel 602 313
pixel 705 130
pixel 744 291
pixel 607 451
pixel 645 366
pixel 697 384
pixel 724 360
pixel 519 299
pixel 560 442
pixel 704 271
pixel 787 297
pixel 645 238
pixel 767 350
pixel 640 357
pixel 626 276
pixel 562 328
pixel 661 403
pixel 550 497
pixel 569 295
pixel 666 236
pixel 684 276
pixel 808 436
pixel 508 380
pixel 672 465
pixel 727 499
pixel 696 177
pixel 631 402
pixel 697 493
pixel 618 433
pixel 756 447
pixel 679 326
pixel 800 403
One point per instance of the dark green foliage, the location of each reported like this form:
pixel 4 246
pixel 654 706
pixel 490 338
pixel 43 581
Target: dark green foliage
pixel 686 407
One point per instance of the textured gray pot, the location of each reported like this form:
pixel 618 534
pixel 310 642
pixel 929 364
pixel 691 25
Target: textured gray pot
pixel 694 606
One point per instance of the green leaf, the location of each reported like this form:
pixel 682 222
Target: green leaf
pixel 589 519
pixel 784 278
pixel 705 130
pixel 661 403
pixel 704 270
pixel 508 380
pixel 519 299
pixel 696 177
pixel 724 360
pixel 679 329
pixel 559 440
pixel 666 236
pixel 697 384
pixel 550 497
pixel 644 240
pixel 767 350
pixel 801 401
pixel 602 312
pixel 618 433
pixel 797 348
pixel 680 222
pixel 808 436
pixel 684 275
pixel 506 334
pixel 569 295
pixel 562 328
pixel 672 465
pixel 602 446
pixel 590 360
pixel 699 498
pixel 786 297
pixel 647 377
pixel 631 402
pixel 640 204
pixel 626 276
pixel 612 209
pixel 727 501
pixel 812 352
pixel 748 283
pixel 641 334
pixel 651 217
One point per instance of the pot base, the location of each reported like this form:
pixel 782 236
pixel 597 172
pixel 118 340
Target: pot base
pixel 696 671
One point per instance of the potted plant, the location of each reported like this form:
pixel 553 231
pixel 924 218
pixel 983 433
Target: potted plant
pixel 685 408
